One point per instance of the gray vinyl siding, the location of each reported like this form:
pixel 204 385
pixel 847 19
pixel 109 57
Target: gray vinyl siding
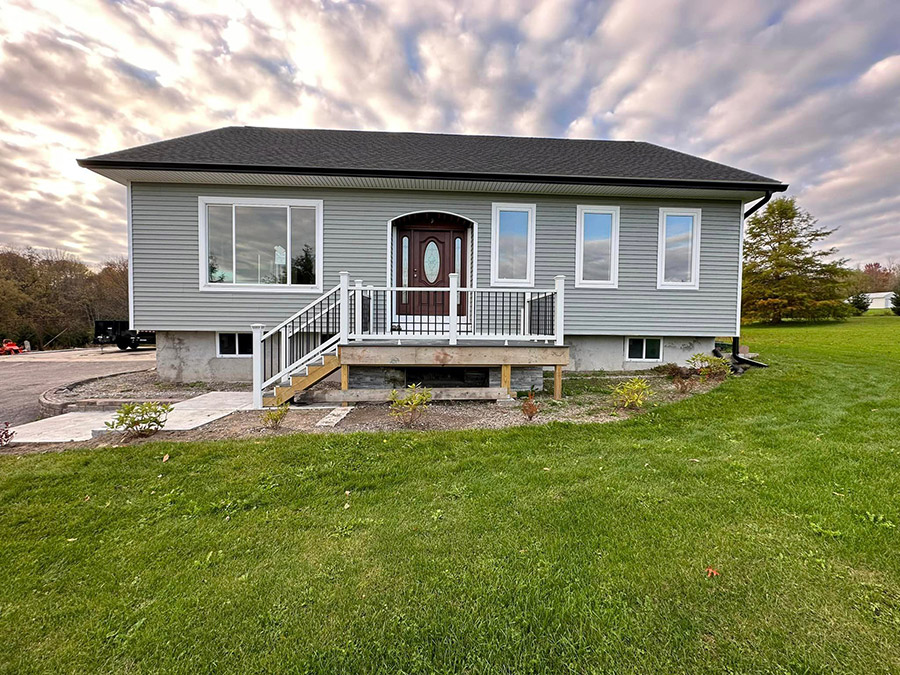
pixel 165 250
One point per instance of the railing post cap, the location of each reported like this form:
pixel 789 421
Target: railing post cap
pixel 344 273
pixel 560 276
pixel 257 326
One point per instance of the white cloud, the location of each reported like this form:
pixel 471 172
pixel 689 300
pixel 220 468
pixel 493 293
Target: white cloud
pixel 807 92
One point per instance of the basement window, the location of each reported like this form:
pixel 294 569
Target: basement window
pixel 260 244
pixel 644 349
pixel 234 345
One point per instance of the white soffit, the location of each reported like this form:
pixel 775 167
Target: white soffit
pixel 123 176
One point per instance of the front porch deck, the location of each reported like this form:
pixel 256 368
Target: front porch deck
pixel 357 327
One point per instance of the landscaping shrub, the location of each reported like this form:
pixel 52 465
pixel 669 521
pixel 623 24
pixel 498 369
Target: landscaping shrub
pixel 140 419
pixel 273 417
pixel 710 367
pixel 860 302
pixel 683 385
pixel 632 393
pixel 410 408
pixel 673 370
pixel 6 435
pixel 530 408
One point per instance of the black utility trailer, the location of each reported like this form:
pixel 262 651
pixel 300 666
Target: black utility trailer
pixel 119 333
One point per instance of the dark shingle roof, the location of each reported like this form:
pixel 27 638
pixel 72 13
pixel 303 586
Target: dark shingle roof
pixel 376 153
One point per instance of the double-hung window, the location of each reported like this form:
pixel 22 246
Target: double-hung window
pixel 678 265
pixel 272 244
pixel 597 247
pixel 512 244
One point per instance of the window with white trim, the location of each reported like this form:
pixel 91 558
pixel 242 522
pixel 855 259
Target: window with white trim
pixel 597 247
pixel 231 345
pixel 679 249
pixel 512 244
pixel 643 349
pixel 263 243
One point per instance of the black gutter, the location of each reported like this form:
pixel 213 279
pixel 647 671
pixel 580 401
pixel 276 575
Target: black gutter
pixel 440 175
pixel 758 205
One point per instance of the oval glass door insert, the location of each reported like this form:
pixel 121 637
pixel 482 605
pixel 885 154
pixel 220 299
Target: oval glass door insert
pixel 431 262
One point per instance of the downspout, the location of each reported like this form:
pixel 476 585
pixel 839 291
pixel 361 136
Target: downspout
pixel 758 205
pixel 736 341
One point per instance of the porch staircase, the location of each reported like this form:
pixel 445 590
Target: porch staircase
pixel 306 376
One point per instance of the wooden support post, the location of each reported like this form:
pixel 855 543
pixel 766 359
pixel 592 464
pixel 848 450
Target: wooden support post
pixel 345 381
pixel 506 377
pixel 557 382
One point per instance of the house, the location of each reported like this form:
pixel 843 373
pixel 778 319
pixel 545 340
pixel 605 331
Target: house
pixel 880 300
pixel 475 262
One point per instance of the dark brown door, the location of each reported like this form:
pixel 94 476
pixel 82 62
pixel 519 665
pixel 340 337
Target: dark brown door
pixel 426 256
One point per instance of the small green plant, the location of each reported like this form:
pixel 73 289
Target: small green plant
pixel 410 408
pixel 633 393
pixel 6 435
pixel 140 419
pixel 530 407
pixel 273 417
pixel 710 367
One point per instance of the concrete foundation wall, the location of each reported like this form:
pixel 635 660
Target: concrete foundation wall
pixel 190 356
pixel 607 352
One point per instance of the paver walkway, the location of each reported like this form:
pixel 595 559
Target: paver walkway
pixel 80 426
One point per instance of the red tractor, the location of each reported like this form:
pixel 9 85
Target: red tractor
pixel 9 347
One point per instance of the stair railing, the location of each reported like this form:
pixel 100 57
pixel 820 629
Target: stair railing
pixel 295 341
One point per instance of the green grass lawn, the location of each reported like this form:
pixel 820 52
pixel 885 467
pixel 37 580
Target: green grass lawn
pixel 565 548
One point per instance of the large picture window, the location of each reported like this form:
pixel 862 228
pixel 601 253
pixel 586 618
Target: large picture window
pixel 512 244
pixel 597 247
pixel 679 248
pixel 261 243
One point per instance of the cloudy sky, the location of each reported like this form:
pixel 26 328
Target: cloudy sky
pixel 807 92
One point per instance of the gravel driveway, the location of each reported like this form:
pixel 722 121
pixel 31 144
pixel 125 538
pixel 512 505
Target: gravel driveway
pixel 23 377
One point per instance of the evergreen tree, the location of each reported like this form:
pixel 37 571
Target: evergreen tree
pixel 895 301
pixel 785 275
pixel 860 302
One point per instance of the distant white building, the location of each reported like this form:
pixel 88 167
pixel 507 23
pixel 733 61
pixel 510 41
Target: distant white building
pixel 880 300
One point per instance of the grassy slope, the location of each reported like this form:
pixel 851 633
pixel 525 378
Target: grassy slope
pixel 460 550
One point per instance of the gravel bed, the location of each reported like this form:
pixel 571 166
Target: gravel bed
pixel 593 405
pixel 142 386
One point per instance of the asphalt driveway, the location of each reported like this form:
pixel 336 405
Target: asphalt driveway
pixel 23 377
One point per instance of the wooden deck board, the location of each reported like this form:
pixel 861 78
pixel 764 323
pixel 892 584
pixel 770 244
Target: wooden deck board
pixel 459 355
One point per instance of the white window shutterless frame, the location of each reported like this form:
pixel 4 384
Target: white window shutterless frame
pixel 512 244
pixel 597 247
pixel 678 262
pixel 232 268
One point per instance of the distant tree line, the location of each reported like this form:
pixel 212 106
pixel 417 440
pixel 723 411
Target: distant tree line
pixel 787 276
pixel 52 299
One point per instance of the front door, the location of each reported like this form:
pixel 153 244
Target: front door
pixel 427 253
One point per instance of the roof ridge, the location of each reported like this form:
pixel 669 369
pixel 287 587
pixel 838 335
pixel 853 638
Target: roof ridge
pixel 431 133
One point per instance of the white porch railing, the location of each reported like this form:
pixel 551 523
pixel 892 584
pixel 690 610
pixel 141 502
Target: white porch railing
pixel 360 313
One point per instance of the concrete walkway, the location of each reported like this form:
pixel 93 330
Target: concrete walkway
pixel 24 376
pixel 81 426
